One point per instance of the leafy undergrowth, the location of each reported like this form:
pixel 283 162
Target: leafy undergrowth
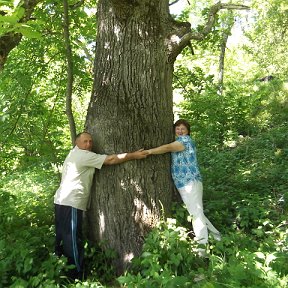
pixel 246 198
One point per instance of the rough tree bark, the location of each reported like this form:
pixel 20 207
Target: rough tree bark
pixel 131 107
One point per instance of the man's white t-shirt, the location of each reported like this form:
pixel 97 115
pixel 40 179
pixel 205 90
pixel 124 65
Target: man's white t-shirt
pixel 77 175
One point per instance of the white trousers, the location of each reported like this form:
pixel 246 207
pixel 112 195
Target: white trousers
pixel 192 195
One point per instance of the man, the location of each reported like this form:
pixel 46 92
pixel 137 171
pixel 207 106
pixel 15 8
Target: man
pixel 72 197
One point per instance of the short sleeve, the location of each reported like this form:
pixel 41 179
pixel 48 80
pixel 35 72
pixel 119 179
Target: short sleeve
pixel 92 159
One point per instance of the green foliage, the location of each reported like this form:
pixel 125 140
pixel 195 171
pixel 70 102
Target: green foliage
pixel 26 232
pixel 243 110
pixel 99 262
pixel 239 260
pixel 27 236
pixel 268 37
pixel 167 259
pixel 34 126
pixel 242 151
pixel 10 20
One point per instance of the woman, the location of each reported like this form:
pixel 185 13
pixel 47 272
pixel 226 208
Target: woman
pixel 187 179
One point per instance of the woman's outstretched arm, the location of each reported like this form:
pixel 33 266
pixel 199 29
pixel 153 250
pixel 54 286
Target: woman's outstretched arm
pixel 171 147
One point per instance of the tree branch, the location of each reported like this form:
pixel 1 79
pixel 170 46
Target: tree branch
pixel 211 19
pixel 183 40
pixel 10 40
pixel 174 2
pixel 76 5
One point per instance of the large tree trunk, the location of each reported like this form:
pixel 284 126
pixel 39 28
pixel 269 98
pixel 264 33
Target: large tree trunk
pixel 130 108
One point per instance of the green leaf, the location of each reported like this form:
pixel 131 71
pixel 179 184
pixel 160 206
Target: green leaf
pixel 10 19
pixel 29 32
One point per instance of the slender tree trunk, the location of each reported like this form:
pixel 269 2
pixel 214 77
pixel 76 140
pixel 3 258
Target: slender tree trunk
pixel 69 84
pixel 223 46
pixel 222 61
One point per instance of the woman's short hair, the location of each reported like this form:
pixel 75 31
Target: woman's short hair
pixel 183 122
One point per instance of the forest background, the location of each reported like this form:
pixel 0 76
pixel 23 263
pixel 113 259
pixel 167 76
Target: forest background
pixel 239 122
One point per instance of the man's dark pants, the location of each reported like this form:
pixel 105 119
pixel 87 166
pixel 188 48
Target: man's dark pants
pixel 68 225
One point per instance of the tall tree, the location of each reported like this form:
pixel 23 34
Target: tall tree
pixel 130 108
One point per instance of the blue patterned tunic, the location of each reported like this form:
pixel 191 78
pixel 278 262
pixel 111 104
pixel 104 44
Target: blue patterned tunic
pixel 184 166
